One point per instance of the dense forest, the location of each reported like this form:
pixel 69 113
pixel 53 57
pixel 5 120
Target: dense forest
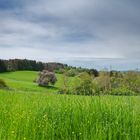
pixel 24 64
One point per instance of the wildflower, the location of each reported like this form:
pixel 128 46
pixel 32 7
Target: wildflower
pixel 72 132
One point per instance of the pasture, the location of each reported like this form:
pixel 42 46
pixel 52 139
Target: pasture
pixel 29 112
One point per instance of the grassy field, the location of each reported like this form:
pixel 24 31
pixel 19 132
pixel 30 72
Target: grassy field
pixel 29 112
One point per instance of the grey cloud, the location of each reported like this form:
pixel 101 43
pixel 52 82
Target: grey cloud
pixel 81 28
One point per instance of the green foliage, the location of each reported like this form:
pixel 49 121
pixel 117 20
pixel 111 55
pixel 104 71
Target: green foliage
pixel 72 72
pixel 103 82
pixel 131 80
pixel 127 82
pixel 93 72
pixel 3 67
pixel 60 71
pixel 25 64
pixel 54 66
pixel 2 84
pixel 85 85
pixel 64 91
pixel 123 91
pixel 85 88
pixel 114 83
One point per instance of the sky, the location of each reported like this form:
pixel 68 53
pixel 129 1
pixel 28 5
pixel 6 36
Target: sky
pixel 90 33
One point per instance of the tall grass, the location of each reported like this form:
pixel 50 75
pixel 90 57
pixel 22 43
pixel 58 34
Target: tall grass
pixel 29 112
pixel 61 117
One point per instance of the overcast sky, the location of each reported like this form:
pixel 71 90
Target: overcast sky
pixel 67 30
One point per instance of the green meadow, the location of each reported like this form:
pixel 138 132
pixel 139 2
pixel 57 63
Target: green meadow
pixel 30 112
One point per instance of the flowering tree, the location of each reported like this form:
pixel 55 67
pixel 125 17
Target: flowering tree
pixel 46 78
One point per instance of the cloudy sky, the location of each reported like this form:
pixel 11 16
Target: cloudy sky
pixel 80 31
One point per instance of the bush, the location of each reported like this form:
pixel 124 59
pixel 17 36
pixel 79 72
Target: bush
pixel 103 83
pixel 46 78
pixel 131 80
pixel 72 73
pixel 2 84
pixel 94 72
pixel 85 88
pixel 85 85
pixel 60 71
pixel 64 91
pixel 122 92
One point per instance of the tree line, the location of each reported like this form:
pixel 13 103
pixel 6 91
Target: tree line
pixel 25 64
pixel 32 65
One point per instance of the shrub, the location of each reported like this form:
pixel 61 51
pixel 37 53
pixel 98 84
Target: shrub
pixel 85 88
pixel 103 82
pixel 60 71
pixel 72 72
pixel 46 78
pixel 94 72
pixel 64 91
pixel 122 92
pixel 85 85
pixel 2 84
pixel 131 80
